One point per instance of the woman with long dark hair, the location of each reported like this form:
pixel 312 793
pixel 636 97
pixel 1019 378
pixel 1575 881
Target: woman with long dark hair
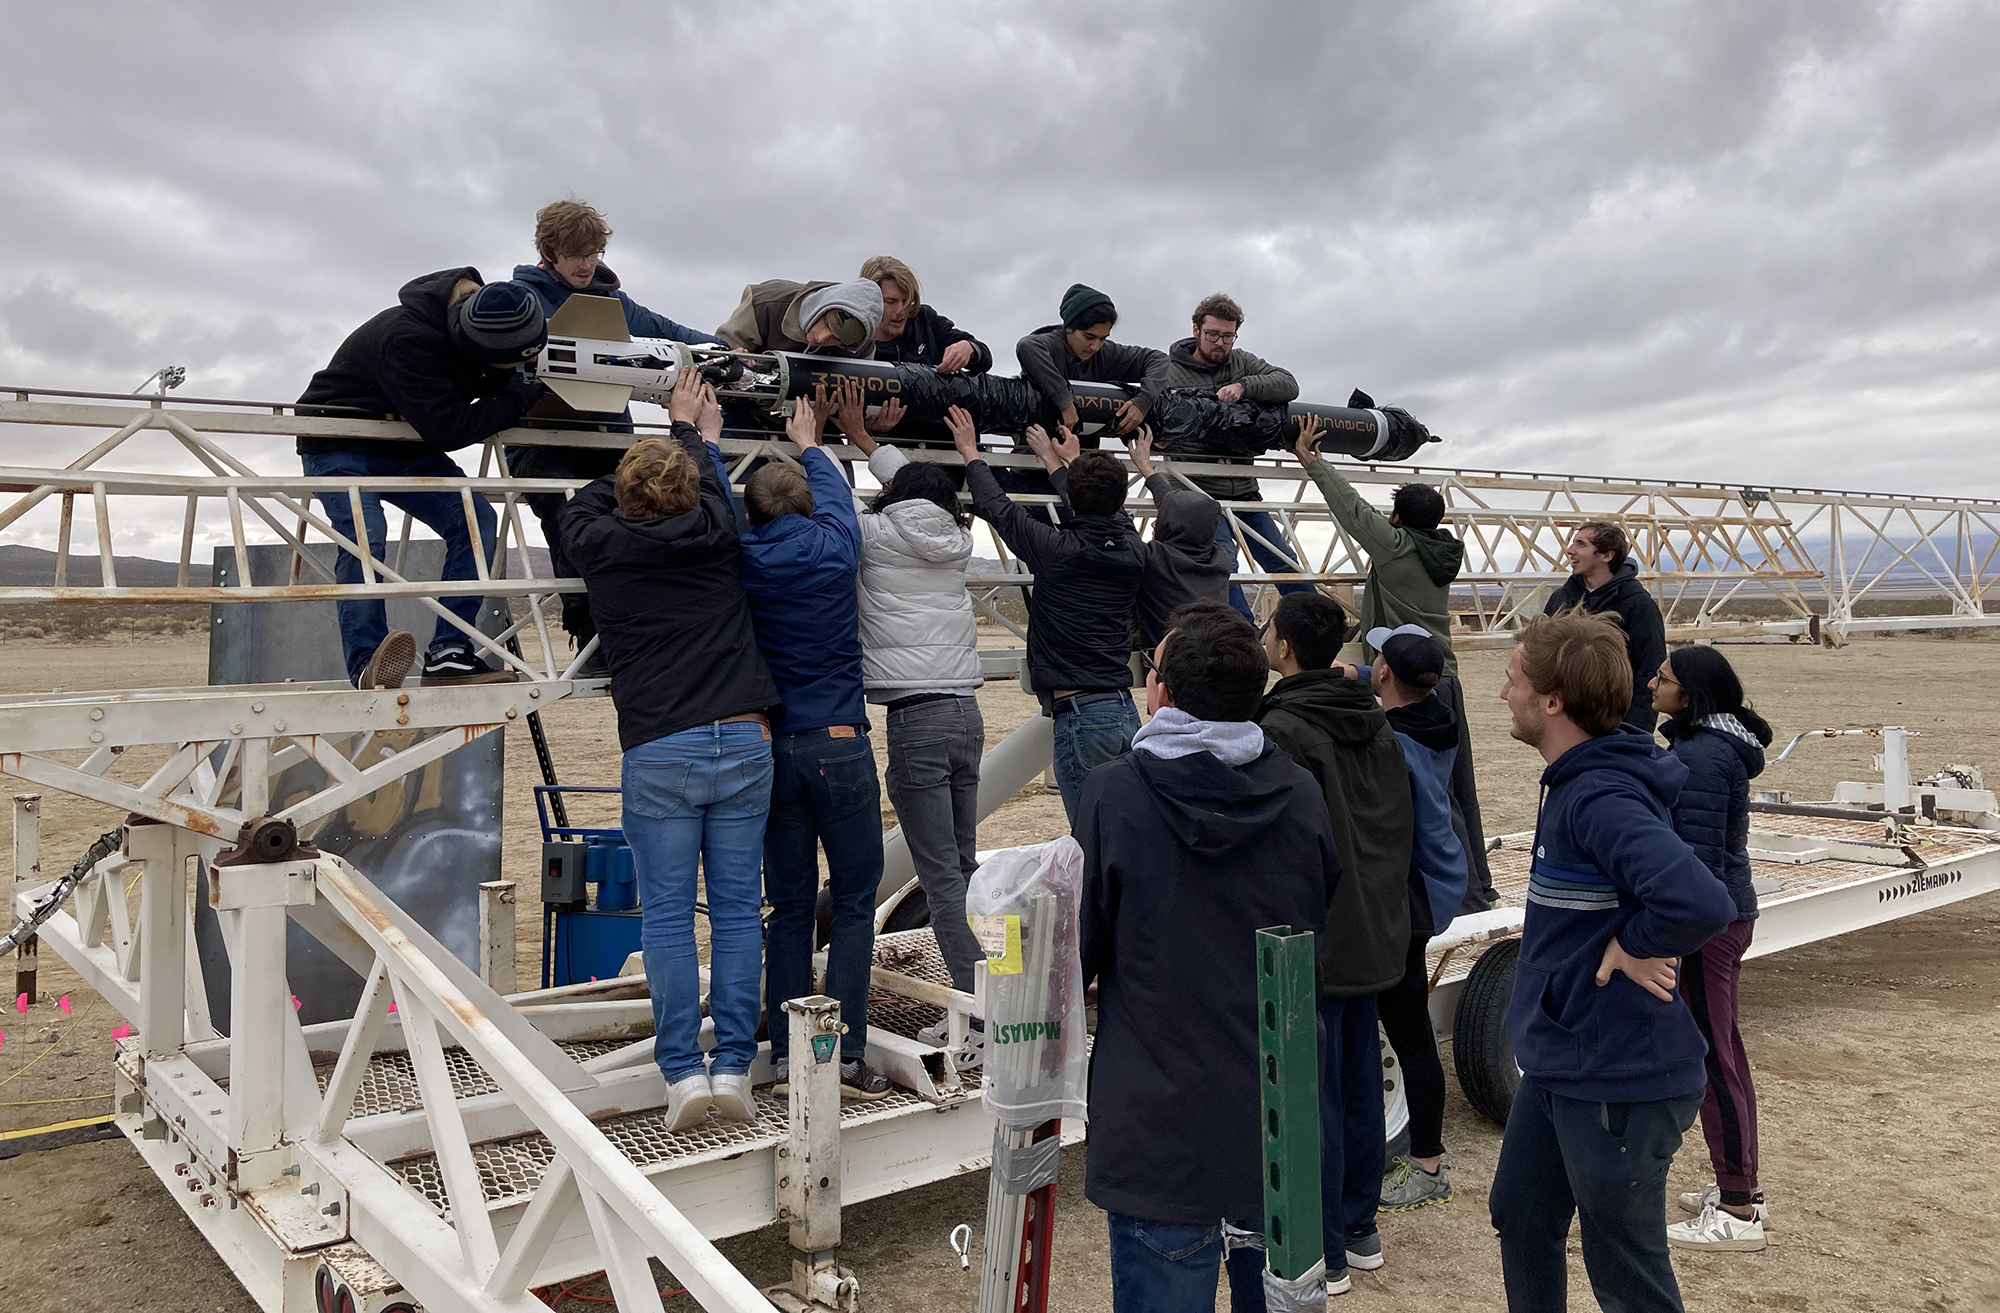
pixel 1715 734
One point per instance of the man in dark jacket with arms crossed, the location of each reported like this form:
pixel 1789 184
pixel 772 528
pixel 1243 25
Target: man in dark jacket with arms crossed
pixel 1611 1061
pixel 1199 837
pixel 1604 577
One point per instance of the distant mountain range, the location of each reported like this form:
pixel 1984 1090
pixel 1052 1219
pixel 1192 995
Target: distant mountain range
pixel 30 567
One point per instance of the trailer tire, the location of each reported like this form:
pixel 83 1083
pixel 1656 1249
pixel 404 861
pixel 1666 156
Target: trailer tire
pixel 1480 1052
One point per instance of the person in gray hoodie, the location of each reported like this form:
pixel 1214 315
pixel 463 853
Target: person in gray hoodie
pixel 920 661
pixel 834 319
pixel 1185 560
pixel 1211 361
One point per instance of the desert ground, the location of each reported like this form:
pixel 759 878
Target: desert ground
pixel 1877 1055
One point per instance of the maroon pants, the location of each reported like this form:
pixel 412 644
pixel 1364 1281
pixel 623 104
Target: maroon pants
pixel 1729 1109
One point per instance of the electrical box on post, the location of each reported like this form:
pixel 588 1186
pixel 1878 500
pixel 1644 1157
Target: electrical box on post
pixel 562 872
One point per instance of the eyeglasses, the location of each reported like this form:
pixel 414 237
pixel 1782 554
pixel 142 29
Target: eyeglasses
pixel 1208 335
pixel 1147 662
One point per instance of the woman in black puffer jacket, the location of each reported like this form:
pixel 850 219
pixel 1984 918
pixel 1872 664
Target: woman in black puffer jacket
pixel 1721 741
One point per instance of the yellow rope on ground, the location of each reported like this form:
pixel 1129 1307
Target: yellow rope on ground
pixel 36 1103
pixel 92 1007
pixel 58 1126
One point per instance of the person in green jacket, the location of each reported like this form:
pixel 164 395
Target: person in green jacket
pixel 1332 726
pixel 1411 565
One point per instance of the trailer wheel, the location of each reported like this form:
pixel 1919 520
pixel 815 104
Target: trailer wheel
pixel 1395 1102
pixel 1480 1053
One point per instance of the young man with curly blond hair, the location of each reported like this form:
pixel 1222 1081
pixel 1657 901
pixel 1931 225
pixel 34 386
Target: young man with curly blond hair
pixel 570 239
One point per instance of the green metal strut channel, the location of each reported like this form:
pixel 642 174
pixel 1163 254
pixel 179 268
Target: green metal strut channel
pixel 1288 1052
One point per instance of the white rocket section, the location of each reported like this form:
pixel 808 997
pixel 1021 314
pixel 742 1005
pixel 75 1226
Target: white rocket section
pixel 595 364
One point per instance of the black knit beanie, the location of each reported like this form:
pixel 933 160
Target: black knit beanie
pixel 1079 299
pixel 501 324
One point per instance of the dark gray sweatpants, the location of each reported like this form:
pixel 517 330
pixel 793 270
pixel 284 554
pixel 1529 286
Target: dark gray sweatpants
pixel 933 781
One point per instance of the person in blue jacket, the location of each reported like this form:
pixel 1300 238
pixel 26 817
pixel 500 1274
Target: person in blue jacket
pixel 1611 1059
pixel 1714 733
pixel 570 237
pixel 1409 665
pixel 801 555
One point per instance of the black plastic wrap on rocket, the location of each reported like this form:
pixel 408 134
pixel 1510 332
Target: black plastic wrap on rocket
pixel 1187 422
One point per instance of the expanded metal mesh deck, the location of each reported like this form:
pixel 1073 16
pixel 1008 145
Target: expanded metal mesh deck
pixel 510 1169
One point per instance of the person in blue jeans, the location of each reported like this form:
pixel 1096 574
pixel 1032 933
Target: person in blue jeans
pixel 446 359
pixel 1087 576
pixel 1612 1062
pixel 656 544
pixel 801 553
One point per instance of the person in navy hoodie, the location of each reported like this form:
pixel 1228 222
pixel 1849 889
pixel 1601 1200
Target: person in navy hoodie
pixel 570 237
pixel 1611 1059
pixel 801 554
pixel 1721 741
pixel 1409 665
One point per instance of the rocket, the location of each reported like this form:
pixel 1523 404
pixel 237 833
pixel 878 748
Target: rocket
pixel 593 362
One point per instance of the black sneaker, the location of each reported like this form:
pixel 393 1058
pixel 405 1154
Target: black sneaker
pixel 391 663
pixel 593 666
pixel 457 663
pixel 857 1081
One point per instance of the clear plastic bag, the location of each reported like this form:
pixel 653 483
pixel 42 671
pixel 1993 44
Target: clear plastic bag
pixel 1024 904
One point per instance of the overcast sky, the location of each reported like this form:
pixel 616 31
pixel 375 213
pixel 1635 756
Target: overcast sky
pixel 1745 242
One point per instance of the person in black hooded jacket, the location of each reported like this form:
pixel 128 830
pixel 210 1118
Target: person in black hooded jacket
pixel 1603 577
pixel 445 359
pixel 1712 731
pixel 656 543
pixel 1086 579
pixel 1199 837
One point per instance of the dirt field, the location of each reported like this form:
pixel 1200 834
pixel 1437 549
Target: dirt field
pixel 1878 1055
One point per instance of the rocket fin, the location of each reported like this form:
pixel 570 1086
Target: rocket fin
pixel 600 318
pixel 591 398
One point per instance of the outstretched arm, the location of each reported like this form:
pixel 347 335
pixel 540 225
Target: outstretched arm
pixel 1368 525
pixel 1028 536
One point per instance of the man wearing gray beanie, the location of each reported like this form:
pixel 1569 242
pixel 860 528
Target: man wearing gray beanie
pixel 833 319
pixel 445 359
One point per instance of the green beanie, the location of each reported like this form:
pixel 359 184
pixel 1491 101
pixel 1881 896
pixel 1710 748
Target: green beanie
pixel 1079 299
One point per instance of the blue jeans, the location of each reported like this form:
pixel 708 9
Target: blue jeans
pixel 364 624
pixel 1351 1131
pixel 1090 735
pixel 1172 1267
pixel 1608 1162
pixel 1270 558
pixel 824 793
pixel 698 799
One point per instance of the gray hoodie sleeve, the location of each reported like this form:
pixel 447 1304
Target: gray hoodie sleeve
pixel 1037 354
pixel 1143 365
pixel 1264 381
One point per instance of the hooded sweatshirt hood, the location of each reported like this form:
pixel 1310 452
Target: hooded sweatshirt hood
pixel 1442 555
pixel 860 301
pixel 928 531
pixel 1345 708
pixel 1173 733
pixel 1429 723
pixel 1212 808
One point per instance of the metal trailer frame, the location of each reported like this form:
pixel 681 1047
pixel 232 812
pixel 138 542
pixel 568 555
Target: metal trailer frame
pixel 463 1147
pixel 1877 853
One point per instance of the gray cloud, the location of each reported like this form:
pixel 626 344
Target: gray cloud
pixel 1723 241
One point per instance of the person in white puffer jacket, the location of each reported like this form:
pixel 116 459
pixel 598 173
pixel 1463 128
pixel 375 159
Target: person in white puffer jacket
pixel 920 661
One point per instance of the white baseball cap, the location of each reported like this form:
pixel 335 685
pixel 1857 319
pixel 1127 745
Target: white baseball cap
pixel 1381 634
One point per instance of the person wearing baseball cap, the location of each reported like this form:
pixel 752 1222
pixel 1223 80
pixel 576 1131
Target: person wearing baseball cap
pixel 1408 667
pixel 445 360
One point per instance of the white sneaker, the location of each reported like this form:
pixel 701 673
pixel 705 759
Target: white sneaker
pixel 1717 1230
pixel 688 1101
pixel 1339 1285
pixel 732 1097
pixel 1696 1200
